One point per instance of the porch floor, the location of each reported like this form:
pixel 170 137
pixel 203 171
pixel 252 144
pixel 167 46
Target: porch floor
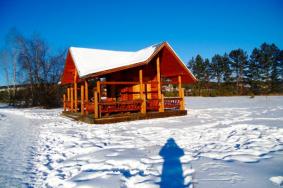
pixel 124 117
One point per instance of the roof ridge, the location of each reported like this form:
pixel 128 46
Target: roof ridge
pixel 99 49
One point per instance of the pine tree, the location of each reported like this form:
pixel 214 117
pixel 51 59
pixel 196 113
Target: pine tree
pixel 227 72
pixel 269 67
pixel 238 63
pixel 216 68
pixel 200 69
pixel 252 73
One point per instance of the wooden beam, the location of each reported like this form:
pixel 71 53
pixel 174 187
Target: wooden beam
pixel 119 83
pixel 95 103
pixel 181 93
pixel 174 75
pixel 98 97
pixel 98 88
pixel 158 77
pixel 72 99
pixel 86 95
pixel 182 103
pixel 142 96
pixel 68 98
pixel 64 102
pixel 82 99
pixel 76 91
pixel 159 83
pixel 180 85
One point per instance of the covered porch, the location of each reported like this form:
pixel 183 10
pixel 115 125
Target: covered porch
pixel 101 98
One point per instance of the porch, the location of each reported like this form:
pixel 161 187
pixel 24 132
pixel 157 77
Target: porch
pixel 82 104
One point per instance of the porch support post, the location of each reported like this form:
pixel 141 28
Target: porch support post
pixel 76 91
pixel 161 109
pixel 182 104
pixel 180 90
pixel 95 103
pixel 86 95
pixel 142 96
pixel 72 99
pixel 98 88
pixel 68 98
pixel 64 102
pixel 82 99
pixel 98 97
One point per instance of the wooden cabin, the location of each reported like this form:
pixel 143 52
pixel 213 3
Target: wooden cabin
pixel 117 85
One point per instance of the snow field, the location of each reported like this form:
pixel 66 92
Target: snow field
pixel 75 154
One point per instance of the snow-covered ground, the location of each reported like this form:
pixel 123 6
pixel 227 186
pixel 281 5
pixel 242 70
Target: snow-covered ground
pixel 222 142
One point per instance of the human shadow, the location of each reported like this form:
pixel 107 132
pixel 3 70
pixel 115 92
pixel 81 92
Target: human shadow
pixel 172 172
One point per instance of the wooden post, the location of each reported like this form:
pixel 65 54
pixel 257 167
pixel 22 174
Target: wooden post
pixel 162 104
pixel 82 100
pixel 143 105
pixel 95 103
pixel 182 103
pixel 98 88
pixel 98 84
pixel 180 85
pixel 181 93
pixel 76 91
pixel 64 102
pixel 86 95
pixel 68 98
pixel 72 99
pixel 159 83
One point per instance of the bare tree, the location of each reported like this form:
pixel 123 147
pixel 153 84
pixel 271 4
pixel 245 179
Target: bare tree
pixel 39 69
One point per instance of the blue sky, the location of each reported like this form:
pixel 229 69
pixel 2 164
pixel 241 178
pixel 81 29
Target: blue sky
pixel 191 27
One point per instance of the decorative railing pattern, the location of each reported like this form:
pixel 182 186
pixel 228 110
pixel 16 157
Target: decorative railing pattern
pixel 152 104
pixel 172 102
pixel 121 106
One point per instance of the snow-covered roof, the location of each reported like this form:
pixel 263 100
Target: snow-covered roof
pixel 89 61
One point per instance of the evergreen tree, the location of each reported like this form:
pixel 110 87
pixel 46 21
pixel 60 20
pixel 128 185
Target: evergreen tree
pixel 227 72
pixel 262 71
pixel 252 73
pixel 216 68
pixel 200 69
pixel 269 67
pixel 238 63
pixel 275 69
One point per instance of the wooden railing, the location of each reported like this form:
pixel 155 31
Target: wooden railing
pixel 121 106
pixel 152 104
pixel 172 102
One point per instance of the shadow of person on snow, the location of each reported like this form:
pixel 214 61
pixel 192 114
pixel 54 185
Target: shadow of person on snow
pixel 172 172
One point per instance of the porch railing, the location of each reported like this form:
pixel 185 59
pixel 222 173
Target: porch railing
pixel 121 106
pixel 172 102
pixel 152 104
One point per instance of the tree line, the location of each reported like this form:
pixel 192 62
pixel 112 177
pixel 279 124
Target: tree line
pixel 32 64
pixel 237 73
pixel 32 70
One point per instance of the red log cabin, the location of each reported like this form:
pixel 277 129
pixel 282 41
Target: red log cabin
pixel 104 84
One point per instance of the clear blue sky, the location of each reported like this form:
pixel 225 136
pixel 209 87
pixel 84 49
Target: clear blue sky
pixel 192 27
